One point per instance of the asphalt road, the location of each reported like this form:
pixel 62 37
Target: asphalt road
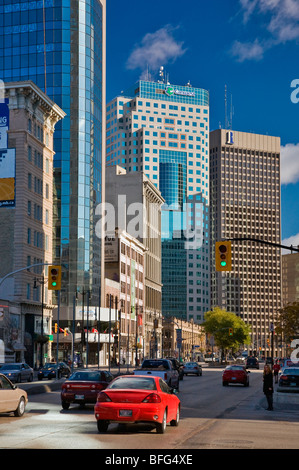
pixel 212 417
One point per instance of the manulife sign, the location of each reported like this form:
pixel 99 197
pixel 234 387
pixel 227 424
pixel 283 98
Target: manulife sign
pixel 169 90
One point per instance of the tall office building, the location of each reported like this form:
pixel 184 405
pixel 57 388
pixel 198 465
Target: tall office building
pixel 60 46
pixel 28 119
pixel 163 131
pixel 245 202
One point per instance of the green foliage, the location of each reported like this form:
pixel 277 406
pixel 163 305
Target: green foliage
pixel 288 321
pixel 217 323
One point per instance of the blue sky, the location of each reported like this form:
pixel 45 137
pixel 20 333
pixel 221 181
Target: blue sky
pixel 251 46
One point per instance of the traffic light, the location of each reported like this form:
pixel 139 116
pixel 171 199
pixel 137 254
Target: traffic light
pixel 54 277
pixel 223 256
pixel 230 332
pixel 55 327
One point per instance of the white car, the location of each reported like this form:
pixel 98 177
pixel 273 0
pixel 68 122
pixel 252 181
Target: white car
pixel 12 398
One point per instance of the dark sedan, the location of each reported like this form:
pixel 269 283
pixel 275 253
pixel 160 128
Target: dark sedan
pixel 83 387
pixel 289 379
pixel 50 371
pixel 17 372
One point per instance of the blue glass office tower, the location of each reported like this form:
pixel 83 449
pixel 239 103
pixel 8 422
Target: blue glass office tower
pixel 60 46
pixel 163 130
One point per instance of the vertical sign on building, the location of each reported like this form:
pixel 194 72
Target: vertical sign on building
pixel 7 160
pixel 133 289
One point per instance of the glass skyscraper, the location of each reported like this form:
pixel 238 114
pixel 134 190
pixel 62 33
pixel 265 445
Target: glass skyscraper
pixel 60 46
pixel 163 131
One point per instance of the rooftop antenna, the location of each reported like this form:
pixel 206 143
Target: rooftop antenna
pixel 161 74
pixel 231 111
pixel 225 106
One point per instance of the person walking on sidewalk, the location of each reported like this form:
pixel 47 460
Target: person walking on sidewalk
pixel 268 386
pixel 276 369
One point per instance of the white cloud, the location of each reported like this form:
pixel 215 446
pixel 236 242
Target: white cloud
pixel 282 17
pixel 247 51
pixel 289 163
pixel 291 241
pixel 156 49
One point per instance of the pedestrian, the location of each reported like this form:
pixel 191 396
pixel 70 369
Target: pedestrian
pixel 276 369
pixel 268 386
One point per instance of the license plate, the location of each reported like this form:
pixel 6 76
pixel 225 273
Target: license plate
pixel 293 384
pixel 79 397
pixel 234 378
pixel 125 412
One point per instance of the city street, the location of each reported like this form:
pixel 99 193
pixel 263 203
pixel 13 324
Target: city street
pixel 212 417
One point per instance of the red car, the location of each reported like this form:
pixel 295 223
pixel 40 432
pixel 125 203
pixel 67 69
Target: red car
pixel 235 375
pixel 83 386
pixel 137 399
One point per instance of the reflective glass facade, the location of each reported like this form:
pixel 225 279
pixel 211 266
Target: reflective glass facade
pixel 58 45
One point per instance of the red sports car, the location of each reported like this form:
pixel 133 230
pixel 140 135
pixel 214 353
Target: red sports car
pixel 137 399
pixel 235 375
pixel 83 387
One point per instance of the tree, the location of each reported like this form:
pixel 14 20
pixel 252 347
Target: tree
pixel 287 324
pixel 218 323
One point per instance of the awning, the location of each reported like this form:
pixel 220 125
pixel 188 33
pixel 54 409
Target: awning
pixel 18 346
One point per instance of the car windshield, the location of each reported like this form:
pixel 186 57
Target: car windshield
pixel 11 366
pixel 155 364
pixel 88 376
pixel 191 364
pixel 139 383
pixel 50 366
pixel 235 368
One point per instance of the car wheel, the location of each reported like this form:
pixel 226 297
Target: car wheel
pixel 40 378
pixel 30 379
pixel 225 384
pixel 102 425
pixel 175 422
pixel 161 427
pixel 65 405
pixel 18 379
pixel 21 408
pixel 201 374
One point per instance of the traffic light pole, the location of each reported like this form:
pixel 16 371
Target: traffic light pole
pixel 266 243
pixel 57 345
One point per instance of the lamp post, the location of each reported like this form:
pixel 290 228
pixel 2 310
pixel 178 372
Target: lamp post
pixel 42 283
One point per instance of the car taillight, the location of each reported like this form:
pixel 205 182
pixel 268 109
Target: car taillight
pixel 152 398
pixel 284 377
pixel 103 397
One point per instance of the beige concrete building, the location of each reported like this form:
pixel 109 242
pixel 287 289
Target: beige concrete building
pixel 290 278
pixel 26 211
pixel 193 344
pixel 125 264
pixel 245 202
pixel 135 205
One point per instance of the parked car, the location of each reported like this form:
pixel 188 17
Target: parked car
pixel 83 387
pixel 289 379
pixel 269 360
pixel 48 371
pixel 236 375
pixel 137 399
pixel 176 365
pixel 17 372
pixel 192 368
pixel 12 398
pixel 252 363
